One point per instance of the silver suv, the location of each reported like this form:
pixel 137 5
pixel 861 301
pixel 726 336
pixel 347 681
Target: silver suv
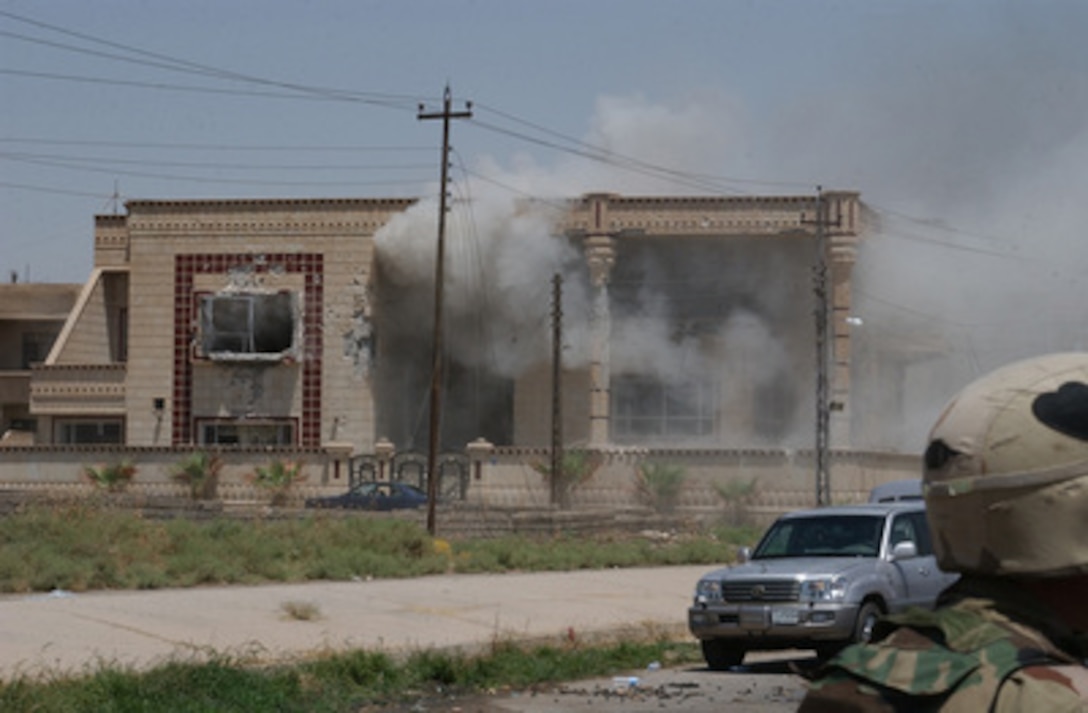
pixel 818 579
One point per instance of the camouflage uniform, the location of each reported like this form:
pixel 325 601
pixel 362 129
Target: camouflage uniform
pixel 989 646
pixel 1006 487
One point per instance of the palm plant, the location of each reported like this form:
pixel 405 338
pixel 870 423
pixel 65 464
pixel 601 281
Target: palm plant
pixel 575 468
pixel 659 484
pixel 737 494
pixel 278 478
pixel 111 477
pixel 199 472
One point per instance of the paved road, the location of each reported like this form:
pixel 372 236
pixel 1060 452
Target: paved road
pixel 62 631
pixel 65 632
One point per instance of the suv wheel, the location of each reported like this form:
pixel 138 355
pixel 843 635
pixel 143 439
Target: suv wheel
pixel 863 628
pixel 721 655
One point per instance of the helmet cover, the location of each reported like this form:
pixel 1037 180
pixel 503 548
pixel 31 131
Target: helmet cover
pixel 1006 471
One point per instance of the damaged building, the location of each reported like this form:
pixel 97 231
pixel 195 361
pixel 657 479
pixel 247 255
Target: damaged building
pixel 308 323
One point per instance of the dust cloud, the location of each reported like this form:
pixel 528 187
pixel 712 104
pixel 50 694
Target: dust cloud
pixel 969 154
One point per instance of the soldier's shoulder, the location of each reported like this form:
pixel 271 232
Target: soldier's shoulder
pixel 957 656
pixel 1044 688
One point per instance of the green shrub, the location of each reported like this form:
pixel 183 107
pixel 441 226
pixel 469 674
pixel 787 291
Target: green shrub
pixel 659 484
pixel 111 477
pixel 278 478
pixel 199 472
pixel 737 495
pixel 575 468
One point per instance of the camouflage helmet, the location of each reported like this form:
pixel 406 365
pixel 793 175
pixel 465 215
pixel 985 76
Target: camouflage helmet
pixel 1006 471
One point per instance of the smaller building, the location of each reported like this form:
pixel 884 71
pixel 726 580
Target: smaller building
pixel 31 318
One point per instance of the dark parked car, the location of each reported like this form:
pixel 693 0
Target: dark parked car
pixel 374 496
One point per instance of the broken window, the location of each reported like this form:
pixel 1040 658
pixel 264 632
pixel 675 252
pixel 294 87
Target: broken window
pixel 247 433
pixel 646 409
pixel 247 326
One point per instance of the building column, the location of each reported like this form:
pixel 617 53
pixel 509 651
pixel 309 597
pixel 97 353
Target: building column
pixel 600 251
pixel 843 255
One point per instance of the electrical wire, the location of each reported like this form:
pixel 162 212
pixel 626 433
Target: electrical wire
pixel 204 179
pixel 585 149
pixel 163 61
pixel 55 191
pixel 215 147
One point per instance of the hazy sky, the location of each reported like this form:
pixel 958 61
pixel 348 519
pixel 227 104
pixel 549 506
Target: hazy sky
pixel 963 124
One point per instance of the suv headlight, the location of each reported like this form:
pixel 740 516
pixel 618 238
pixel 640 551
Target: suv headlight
pixel 827 589
pixel 708 590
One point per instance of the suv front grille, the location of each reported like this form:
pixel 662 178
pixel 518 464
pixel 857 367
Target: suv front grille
pixel 764 591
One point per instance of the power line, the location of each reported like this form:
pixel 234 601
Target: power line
pixel 205 179
pixel 607 154
pixel 163 86
pixel 102 160
pixel 930 224
pixel 587 150
pixel 168 62
pixel 213 147
pixel 56 191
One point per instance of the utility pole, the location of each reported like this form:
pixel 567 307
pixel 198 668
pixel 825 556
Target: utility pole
pixel 822 313
pixel 445 115
pixel 557 387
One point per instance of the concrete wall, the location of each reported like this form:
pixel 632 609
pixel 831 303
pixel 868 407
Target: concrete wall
pixel 783 480
pixel 56 470
pixel 507 478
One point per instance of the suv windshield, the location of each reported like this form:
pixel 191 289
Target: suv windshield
pixel 822 536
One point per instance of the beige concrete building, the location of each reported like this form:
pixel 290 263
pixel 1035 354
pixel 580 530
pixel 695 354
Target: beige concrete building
pixel 31 317
pixel 686 321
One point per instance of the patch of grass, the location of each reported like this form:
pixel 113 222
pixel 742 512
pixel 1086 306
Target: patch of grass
pixel 301 611
pixel 334 684
pixel 79 548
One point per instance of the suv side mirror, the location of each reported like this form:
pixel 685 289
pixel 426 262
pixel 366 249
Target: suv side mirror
pixel 744 554
pixel 904 550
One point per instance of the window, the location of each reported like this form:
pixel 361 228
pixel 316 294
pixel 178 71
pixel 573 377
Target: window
pixel 247 326
pixel 822 536
pixel 36 346
pixel 645 408
pixel 920 530
pixel 72 432
pixel 247 433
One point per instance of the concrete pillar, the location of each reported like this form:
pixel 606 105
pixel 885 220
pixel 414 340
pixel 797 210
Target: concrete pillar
pixel 479 451
pixel 338 452
pixel 384 450
pixel 600 250
pixel 843 256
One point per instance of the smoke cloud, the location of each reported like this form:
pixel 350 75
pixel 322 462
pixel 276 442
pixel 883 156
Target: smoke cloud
pixel 970 153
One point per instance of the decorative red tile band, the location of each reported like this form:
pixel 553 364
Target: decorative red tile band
pixel 311 265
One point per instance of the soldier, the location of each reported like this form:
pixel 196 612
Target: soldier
pixel 1006 490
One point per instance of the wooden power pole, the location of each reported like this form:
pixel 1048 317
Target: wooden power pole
pixel 557 390
pixel 824 350
pixel 445 115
